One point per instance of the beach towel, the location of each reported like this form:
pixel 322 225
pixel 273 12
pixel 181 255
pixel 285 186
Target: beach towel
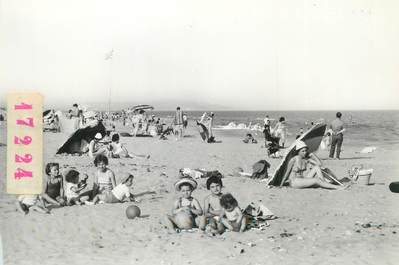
pixel 257 216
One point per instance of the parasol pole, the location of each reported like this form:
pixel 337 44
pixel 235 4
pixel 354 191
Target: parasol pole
pixel 109 56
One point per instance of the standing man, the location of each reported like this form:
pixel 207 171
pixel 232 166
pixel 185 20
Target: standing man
pixel 211 116
pixel 337 127
pixel 178 123
pixel 75 111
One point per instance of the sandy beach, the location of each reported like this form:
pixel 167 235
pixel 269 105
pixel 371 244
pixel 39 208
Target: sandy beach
pixel 315 226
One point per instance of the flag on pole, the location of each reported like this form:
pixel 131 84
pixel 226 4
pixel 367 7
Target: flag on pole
pixel 108 55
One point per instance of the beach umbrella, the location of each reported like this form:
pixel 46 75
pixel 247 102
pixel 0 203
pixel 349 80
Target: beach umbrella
pixel 141 107
pixel 46 112
pixel 312 139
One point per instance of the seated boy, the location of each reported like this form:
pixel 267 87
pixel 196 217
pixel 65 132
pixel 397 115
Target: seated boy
pixel 212 208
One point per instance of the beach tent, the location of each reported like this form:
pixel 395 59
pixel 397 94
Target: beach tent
pixel 78 141
pixel 312 138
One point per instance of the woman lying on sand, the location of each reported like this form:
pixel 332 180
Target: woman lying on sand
pixel 300 176
pixel 118 150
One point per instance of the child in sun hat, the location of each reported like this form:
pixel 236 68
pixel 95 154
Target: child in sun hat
pixel 186 208
pixel 118 194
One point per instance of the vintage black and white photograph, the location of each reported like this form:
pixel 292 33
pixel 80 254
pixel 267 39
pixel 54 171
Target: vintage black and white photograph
pixel 203 132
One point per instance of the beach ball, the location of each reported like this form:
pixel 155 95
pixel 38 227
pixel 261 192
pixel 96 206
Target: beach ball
pixel 132 212
pixel 183 220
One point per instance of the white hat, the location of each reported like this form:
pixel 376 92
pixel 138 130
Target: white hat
pixel 186 180
pixel 300 145
pixel 98 136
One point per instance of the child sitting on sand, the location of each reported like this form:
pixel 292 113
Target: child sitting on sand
pixel 72 187
pixel 186 209
pixel 231 216
pixel 212 206
pixel 104 178
pixel 31 202
pixel 54 187
pixel 118 194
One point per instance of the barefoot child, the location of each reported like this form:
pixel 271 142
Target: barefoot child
pixel 212 206
pixel 186 208
pixel 119 194
pixel 72 189
pixel 54 187
pixel 231 216
pixel 31 202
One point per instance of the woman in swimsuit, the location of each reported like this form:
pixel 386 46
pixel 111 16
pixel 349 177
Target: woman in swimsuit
pixel 300 176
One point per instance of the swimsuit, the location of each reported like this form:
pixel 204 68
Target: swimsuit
pixel 298 169
pixel 104 181
pixel 186 202
pixel 53 189
pixel 233 215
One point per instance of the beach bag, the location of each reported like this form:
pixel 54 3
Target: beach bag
pixel 259 169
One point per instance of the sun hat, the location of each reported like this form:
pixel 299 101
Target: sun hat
pixel 300 145
pixel 185 180
pixel 126 176
pixel 98 136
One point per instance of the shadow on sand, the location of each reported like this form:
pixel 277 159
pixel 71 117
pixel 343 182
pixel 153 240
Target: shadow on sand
pixel 350 158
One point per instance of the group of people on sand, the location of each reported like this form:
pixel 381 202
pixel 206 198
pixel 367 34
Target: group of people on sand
pixel 110 146
pixel 67 189
pixel 274 138
pixel 218 212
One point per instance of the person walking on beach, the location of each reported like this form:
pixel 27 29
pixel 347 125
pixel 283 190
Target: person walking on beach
pixel 337 127
pixel 280 131
pixel 178 123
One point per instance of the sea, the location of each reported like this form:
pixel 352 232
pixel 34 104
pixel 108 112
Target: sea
pixel 363 128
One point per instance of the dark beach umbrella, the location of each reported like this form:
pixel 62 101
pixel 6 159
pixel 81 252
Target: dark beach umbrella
pixel 46 112
pixel 312 139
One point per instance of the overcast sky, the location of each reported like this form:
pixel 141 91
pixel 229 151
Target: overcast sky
pixel 258 55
